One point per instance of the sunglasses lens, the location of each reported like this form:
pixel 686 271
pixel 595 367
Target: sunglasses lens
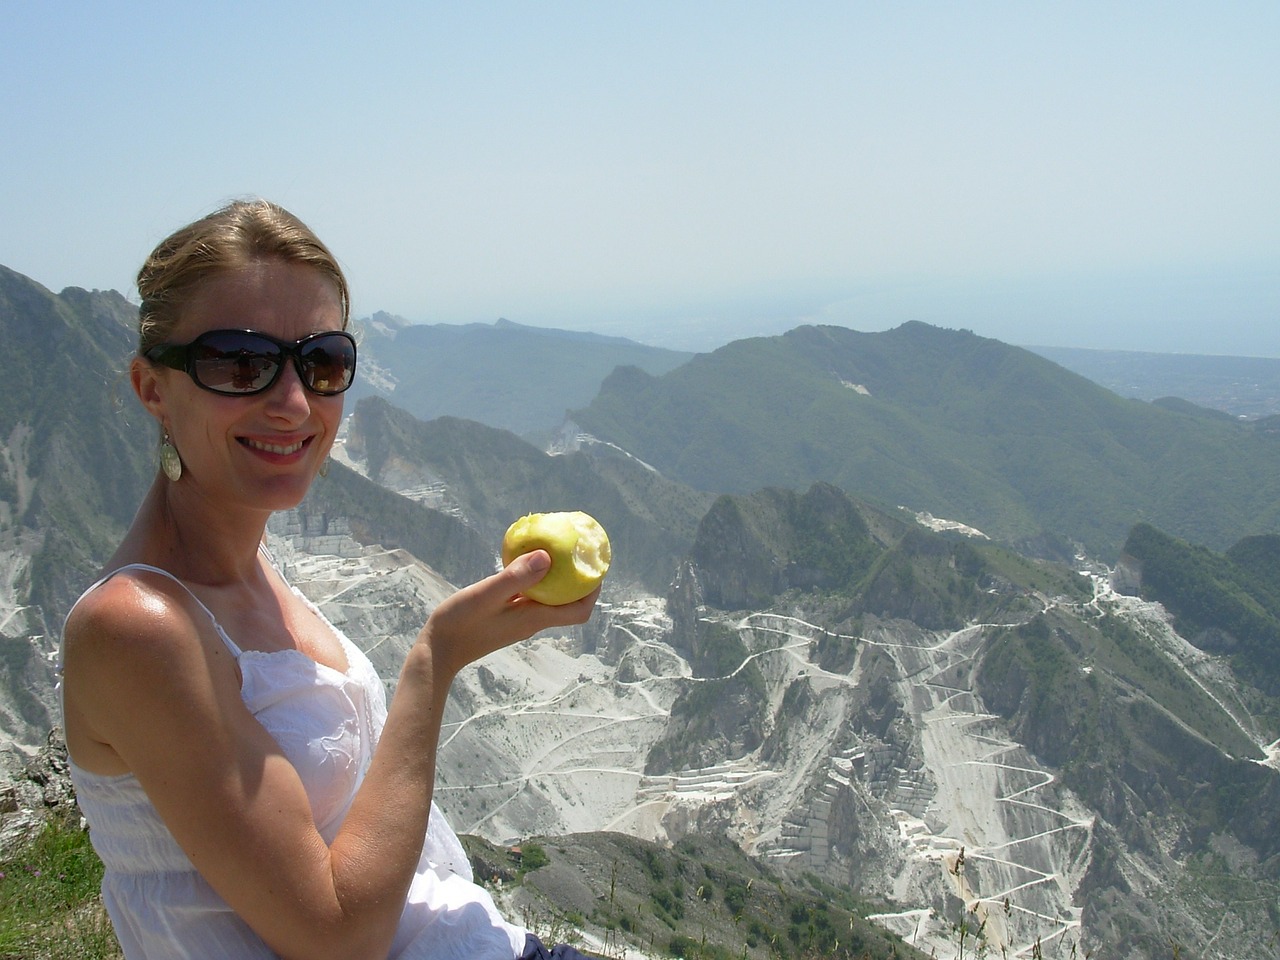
pixel 328 362
pixel 232 362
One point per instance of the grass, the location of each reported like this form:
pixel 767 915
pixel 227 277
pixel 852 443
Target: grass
pixel 49 899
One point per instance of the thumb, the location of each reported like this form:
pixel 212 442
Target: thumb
pixel 527 569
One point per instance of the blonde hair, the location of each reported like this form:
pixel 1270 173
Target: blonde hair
pixel 240 233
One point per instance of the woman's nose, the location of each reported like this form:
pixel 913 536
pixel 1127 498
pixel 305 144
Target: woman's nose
pixel 288 393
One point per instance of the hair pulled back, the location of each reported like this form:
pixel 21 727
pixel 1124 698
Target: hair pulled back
pixel 238 234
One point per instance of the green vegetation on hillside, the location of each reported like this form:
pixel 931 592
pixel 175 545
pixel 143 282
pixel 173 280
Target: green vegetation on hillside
pixel 1228 604
pixel 752 549
pixel 701 899
pixel 719 717
pixel 1133 734
pixel 946 422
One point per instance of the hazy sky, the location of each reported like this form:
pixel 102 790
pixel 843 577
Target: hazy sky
pixel 1077 174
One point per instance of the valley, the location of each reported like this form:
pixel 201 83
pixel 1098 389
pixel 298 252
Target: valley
pixel 940 814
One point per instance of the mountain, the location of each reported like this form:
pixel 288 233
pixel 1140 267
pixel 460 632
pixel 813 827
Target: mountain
pixel 490 477
pixel 981 740
pixel 74 454
pixel 1226 604
pixel 949 423
pixel 1045 746
pixel 974 748
pixel 506 375
pixel 971 736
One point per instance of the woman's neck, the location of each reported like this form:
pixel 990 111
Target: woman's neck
pixel 195 539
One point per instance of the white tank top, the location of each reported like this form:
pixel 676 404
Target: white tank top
pixel 327 723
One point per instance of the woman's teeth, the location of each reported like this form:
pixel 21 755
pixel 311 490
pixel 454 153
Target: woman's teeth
pixel 274 447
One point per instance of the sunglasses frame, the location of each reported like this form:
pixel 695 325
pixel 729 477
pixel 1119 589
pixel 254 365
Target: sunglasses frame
pixel 182 356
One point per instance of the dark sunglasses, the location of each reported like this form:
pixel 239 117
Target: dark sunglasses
pixel 240 363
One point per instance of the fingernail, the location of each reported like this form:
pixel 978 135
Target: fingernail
pixel 539 561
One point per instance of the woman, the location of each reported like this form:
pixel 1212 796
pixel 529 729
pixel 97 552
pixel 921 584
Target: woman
pixel 221 731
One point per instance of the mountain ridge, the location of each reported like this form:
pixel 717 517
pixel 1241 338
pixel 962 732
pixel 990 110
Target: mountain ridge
pixel 946 422
pixel 504 374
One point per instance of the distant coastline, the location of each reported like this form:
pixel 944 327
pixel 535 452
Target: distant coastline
pixel 1245 387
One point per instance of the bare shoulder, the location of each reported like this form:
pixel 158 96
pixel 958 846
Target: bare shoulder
pixel 138 615
pixel 140 655
pixel 122 604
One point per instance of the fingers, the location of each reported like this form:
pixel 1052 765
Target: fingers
pixel 521 574
pixel 533 569
pixel 577 612
pixel 493 613
pixel 501 588
pixel 541 615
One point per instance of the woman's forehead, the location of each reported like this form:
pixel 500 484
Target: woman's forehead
pixel 275 296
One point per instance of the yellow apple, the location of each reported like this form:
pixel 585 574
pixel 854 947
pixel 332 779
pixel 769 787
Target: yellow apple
pixel 579 550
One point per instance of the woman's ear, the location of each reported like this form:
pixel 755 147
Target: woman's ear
pixel 146 384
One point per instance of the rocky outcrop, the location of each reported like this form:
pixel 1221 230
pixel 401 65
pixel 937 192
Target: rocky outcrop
pixel 33 788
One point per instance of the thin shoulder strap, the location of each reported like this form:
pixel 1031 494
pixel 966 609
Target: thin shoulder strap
pixel 231 644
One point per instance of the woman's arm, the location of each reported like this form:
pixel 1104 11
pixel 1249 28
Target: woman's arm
pixel 150 682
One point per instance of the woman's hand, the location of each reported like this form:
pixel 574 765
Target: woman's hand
pixel 492 613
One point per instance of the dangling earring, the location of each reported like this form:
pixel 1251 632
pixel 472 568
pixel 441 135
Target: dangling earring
pixel 170 462
pixel 324 468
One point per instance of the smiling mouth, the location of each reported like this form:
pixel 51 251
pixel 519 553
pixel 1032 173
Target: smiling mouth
pixel 279 449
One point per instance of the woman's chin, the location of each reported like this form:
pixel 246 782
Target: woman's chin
pixel 284 493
